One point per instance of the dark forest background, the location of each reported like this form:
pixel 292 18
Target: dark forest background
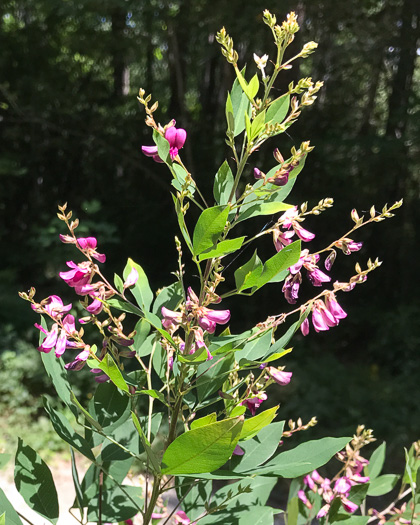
pixel 71 130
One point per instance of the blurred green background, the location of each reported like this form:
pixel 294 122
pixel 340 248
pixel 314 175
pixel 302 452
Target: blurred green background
pixel 71 130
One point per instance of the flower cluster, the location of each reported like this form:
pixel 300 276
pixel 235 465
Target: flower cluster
pixel 325 314
pixel 194 313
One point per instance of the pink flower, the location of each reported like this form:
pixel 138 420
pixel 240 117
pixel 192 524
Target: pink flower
pixel 348 246
pixel 342 486
pixel 282 239
pixel 254 403
pixel 288 220
pixel 280 377
pixel 53 305
pixel 303 498
pixel 88 245
pixel 317 277
pixel 206 318
pixel 79 276
pixel 176 138
pixel 323 512
pixel 182 518
pixel 238 451
pixel 333 306
pixel 304 327
pixel 348 505
pixel 171 320
pixel 132 278
pixel 322 319
pixel 309 482
pixel 57 337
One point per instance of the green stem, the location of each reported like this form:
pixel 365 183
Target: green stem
pixel 153 499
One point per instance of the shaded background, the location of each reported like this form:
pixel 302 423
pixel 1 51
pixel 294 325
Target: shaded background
pixel 71 130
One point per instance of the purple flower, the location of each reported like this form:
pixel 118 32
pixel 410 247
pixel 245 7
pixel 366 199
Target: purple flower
pixel 348 246
pixel 323 512
pixel 348 505
pixel 333 306
pixel 280 377
pixel 171 320
pixel 238 451
pixel 79 277
pixel 176 138
pixel 57 337
pixel 88 245
pixel 282 239
pixel 132 278
pixel 206 318
pixel 254 403
pixel 303 234
pixel 304 327
pixel 317 277
pixel 342 486
pixel 303 498
pixel 53 305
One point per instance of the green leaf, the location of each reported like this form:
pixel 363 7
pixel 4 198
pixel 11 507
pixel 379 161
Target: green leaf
pixel 257 125
pixel 376 462
pixel 163 146
pixel 345 519
pixel 253 86
pixel 222 248
pixel 115 505
pixel 285 338
pixel 109 407
pixel 57 373
pixel 203 449
pixel 155 394
pixel 142 329
pixel 34 481
pixel 248 126
pixel 256 348
pixel 86 414
pixel 150 454
pixel 230 119
pixel 199 356
pixel 180 175
pixel 119 304
pixel 256 515
pixel 260 448
pixel 256 209
pixel 67 433
pixel 246 275
pixel 382 484
pixel 110 368
pixel 253 425
pixel 141 290
pixel 271 358
pixel 240 106
pixel 181 222
pixel 211 379
pixel 3 519
pixel 119 283
pixel 223 184
pixel 285 258
pixel 209 227
pixel 12 517
pixel 206 420
pixel 170 297
pixel 76 482
pixel 304 458
pixel 278 110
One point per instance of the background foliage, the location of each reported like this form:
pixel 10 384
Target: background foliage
pixel 71 129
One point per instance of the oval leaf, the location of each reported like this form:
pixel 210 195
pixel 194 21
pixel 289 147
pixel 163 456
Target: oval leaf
pixel 210 225
pixel 203 449
pixel 34 481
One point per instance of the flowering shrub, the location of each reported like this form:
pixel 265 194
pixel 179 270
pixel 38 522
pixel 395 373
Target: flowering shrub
pixel 181 374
